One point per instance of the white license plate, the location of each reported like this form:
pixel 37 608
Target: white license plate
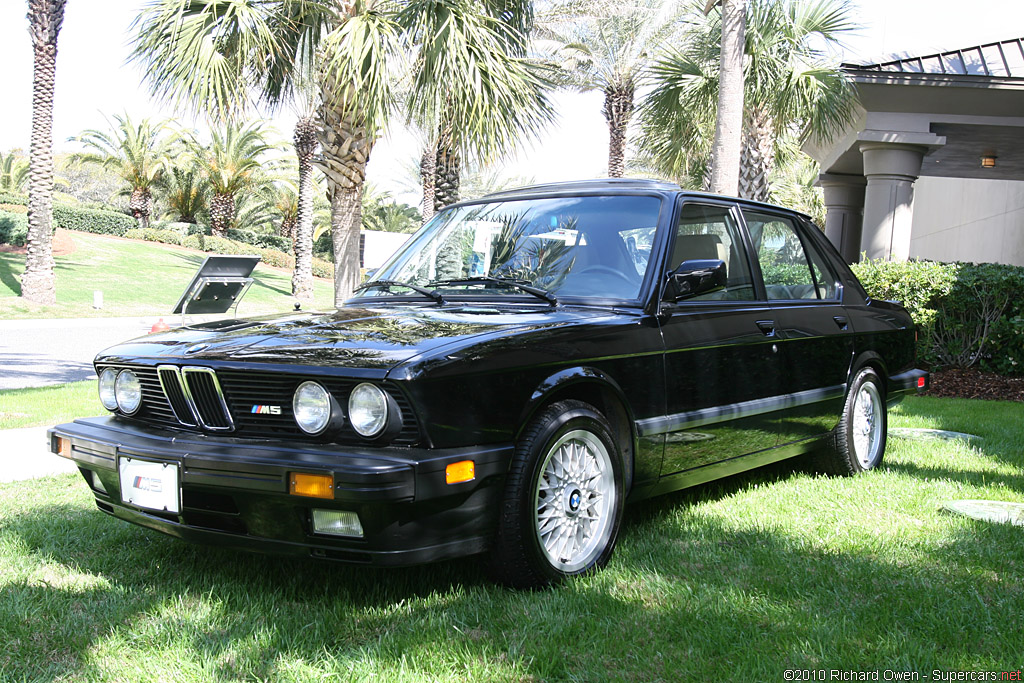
pixel 148 484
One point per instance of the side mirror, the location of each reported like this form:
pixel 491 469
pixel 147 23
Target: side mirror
pixel 695 277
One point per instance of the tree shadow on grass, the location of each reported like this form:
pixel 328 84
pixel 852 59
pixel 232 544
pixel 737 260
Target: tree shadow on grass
pixel 684 598
pixel 8 278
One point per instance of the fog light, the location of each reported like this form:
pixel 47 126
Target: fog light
pixel 337 523
pixel 312 485
pixel 461 471
pixel 97 483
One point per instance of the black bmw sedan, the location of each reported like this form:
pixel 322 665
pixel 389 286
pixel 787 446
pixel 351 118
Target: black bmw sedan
pixel 522 367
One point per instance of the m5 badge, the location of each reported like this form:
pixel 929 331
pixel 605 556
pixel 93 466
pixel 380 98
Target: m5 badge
pixel 266 410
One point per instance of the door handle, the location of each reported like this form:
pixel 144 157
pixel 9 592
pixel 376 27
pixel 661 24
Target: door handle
pixel 767 327
pixel 841 321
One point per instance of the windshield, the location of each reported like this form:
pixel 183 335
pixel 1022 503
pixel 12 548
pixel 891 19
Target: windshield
pixel 594 247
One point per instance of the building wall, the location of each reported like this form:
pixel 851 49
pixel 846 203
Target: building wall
pixel 967 219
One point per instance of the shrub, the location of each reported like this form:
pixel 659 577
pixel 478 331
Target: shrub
pixel 1006 347
pixel 92 220
pixel 154 235
pixel 323 268
pixel 13 208
pixel 13 228
pixel 918 285
pixel 967 314
pixel 11 198
pixel 261 239
pixel 984 300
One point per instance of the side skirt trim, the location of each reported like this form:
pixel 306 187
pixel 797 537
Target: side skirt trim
pixel 735 411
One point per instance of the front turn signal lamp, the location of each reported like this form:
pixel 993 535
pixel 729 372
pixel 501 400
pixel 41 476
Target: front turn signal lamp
pixel 458 472
pixel 311 485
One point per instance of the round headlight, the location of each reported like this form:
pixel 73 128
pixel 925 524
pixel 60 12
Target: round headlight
pixel 368 409
pixel 128 392
pixel 107 396
pixel 312 407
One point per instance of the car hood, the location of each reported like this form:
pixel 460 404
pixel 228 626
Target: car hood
pixel 353 338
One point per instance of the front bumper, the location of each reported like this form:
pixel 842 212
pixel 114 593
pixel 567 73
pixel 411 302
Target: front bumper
pixel 234 492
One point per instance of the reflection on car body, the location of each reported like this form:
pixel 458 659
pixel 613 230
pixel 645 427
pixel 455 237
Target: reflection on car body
pixel 521 367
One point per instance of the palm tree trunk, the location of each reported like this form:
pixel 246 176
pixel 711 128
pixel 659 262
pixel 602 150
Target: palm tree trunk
pixel 725 151
pixel 346 148
pixel 222 212
pixel 757 156
pixel 618 109
pixel 37 282
pixel 141 206
pixel 428 177
pixel 447 169
pixel 305 147
pixel 346 221
pixel 288 223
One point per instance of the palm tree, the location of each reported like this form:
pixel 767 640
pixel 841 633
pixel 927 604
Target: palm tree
pixel 606 45
pixel 184 192
pixel 45 18
pixel 789 85
pixel 233 163
pixel 213 54
pixel 13 172
pixel 138 153
pixel 457 70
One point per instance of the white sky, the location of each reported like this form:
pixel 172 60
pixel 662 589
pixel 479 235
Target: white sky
pixel 93 79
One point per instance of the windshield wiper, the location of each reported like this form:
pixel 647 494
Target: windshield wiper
pixel 431 294
pixel 505 281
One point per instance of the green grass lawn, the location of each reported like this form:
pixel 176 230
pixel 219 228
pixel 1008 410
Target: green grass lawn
pixel 49 405
pixel 136 278
pixel 739 580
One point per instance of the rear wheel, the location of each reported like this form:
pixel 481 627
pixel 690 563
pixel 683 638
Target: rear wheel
pixel 563 499
pixel 858 442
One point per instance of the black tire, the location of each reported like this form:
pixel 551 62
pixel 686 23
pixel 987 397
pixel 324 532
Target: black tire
pixel 538 501
pixel 858 441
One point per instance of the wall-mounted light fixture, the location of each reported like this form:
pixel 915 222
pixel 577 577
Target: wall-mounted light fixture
pixel 988 161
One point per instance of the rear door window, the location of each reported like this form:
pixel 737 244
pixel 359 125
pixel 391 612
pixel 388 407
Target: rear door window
pixel 790 270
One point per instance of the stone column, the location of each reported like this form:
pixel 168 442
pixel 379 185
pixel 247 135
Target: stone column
pixel 890 169
pixel 844 219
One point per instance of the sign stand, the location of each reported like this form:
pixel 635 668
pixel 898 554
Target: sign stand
pixel 218 285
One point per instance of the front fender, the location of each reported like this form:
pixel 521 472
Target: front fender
pixel 564 379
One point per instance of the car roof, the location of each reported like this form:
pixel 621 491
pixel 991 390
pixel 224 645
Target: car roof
pixel 618 184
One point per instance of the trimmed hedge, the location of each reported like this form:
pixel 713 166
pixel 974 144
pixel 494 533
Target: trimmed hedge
pixel 13 228
pixel 154 235
pixel 10 198
pixel 261 239
pixel 967 313
pixel 100 221
pixel 92 220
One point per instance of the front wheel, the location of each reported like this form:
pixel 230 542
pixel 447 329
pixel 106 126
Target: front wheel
pixel 563 499
pixel 858 442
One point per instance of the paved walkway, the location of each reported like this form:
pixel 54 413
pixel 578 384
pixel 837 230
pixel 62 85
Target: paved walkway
pixel 25 454
pixel 38 353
